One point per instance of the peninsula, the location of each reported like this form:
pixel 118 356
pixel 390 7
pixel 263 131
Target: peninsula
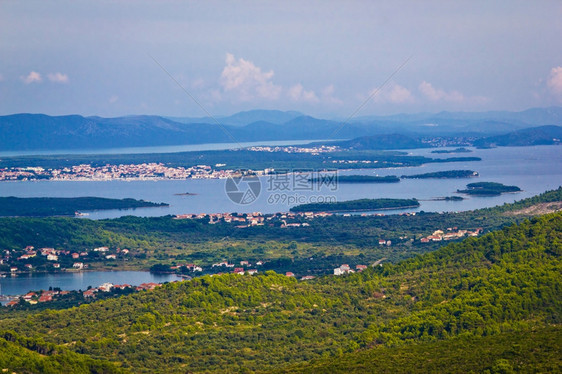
pixel 59 206
pixel 360 205
pixel 447 174
pixel 488 189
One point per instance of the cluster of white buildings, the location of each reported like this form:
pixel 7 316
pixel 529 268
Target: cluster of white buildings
pixel 145 171
pixel 256 218
pixel 346 269
pixel 294 149
pixel 451 233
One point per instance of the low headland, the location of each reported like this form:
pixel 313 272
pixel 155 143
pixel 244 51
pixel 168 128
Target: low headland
pixel 488 189
pixel 62 206
pixel 447 174
pixel 360 205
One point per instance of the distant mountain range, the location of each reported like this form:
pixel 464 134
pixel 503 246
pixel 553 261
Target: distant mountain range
pixel 43 132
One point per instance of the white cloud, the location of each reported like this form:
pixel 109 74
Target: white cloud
pixel 198 83
pixel 58 77
pixel 327 95
pixel 395 94
pixel 298 93
pixel 554 81
pixel 32 77
pixel 435 94
pixel 247 80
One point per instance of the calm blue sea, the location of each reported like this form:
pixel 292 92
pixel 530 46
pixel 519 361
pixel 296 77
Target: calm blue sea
pixel 533 169
pixel 22 283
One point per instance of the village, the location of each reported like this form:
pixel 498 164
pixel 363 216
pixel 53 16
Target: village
pixel 130 172
pixel 56 294
pixel 28 260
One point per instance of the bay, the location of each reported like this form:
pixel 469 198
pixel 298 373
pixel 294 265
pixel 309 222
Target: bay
pixel 72 281
pixel 533 169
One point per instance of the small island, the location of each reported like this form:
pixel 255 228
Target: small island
pixel 449 198
pixel 447 174
pixel 360 179
pixel 488 189
pixel 62 206
pixel 185 194
pixel 360 205
pixel 456 150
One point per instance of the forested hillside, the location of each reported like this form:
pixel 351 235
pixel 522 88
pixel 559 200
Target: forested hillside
pixel 481 289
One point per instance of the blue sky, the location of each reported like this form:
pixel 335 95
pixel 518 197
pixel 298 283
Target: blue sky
pixel 324 58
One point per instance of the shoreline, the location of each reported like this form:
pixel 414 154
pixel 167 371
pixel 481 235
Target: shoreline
pixel 359 210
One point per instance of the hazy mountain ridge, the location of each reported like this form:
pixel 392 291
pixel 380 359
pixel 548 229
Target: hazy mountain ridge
pixel 542 135
pixel 40 131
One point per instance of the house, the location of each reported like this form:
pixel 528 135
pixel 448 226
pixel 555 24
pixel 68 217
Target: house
pixel 382 242
pixel 360 267
pixel 52 257
pixel 252 271
pixel 89 293
pixel 13 269
pixel 28 266
pixel 78 265
pixel 238 271
pixel 147 286
pixel 344 269
pixel 56 266
pixel 338 271
pixel 101 249
pixel 424 240
pixel 106 287
pixel 308 277
pixel 289 274
pixel 45 297
pixel 122 286
pixel 75 255
pixel 111 257
pixel 244 263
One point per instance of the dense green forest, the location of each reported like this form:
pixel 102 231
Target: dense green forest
pixel 444 174
pixel 357 205
pixel 487 289
pixel 64 206
pixel 534 350
pixel 25 355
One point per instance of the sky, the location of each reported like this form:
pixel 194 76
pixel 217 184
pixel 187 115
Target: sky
pixel 330 59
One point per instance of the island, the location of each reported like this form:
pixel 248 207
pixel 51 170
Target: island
pixel 358 205
pixel 456 150
pixel 448 198
pixel 447 174
pixel 62 206
pixel 185 194
pixel 360 179
pixel 488 189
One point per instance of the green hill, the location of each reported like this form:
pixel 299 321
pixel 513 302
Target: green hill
pixel 506 282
